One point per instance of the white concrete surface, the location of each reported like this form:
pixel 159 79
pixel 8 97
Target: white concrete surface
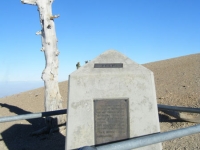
pixel 133 82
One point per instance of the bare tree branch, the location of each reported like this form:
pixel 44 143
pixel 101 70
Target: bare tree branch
pixel 30 2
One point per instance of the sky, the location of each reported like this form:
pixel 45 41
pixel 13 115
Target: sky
pixel 144 30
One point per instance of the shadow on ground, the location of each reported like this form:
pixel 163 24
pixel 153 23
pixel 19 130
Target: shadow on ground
pixel 17 137
pixel 166 118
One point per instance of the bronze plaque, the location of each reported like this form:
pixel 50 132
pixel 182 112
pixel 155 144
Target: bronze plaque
pixel 108 65
pixel 111 120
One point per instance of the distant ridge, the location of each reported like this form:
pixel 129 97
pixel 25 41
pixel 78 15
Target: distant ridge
pixel 157 67
pixel 9 88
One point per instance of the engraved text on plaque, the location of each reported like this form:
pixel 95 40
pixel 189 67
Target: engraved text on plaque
pixel 111 120
pixel 108 65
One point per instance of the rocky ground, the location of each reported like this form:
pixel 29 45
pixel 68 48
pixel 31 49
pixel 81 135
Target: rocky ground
pixel 177 83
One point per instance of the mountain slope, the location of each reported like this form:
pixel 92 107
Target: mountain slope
pixel 177 83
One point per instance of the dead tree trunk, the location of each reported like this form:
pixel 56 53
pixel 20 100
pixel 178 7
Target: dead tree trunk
pixel 53 99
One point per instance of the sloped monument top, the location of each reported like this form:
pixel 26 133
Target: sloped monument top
pixel 110 56
pixel 111 98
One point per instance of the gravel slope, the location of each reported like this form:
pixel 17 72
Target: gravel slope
pixel 177 83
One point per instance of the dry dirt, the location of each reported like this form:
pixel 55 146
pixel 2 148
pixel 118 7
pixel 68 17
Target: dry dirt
pixel 177 83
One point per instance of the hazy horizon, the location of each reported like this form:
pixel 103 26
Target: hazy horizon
pixel 145 31
pixel 9 88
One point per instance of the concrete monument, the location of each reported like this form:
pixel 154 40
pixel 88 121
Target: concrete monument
pixel 111 98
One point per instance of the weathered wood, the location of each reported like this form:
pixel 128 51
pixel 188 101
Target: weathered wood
pixel 53 99
pixel 30 2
